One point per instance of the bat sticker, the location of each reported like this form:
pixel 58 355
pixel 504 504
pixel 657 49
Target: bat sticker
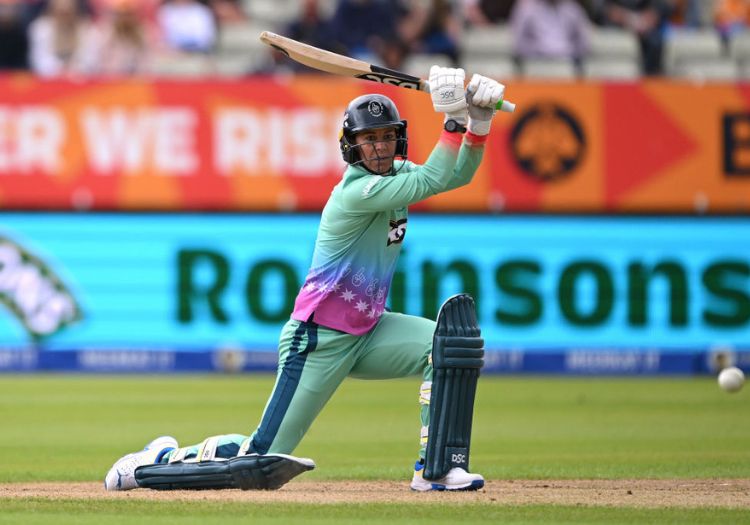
pixel 390 80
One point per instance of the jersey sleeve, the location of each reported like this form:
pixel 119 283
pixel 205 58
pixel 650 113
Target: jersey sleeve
pixel 451 164
pixel 469 157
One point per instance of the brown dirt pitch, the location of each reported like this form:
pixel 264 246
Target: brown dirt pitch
pixel 728 493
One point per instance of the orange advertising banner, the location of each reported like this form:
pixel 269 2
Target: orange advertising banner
pixel 268 143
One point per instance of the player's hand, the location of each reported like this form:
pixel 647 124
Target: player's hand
pixel 447 91
pixel 482 95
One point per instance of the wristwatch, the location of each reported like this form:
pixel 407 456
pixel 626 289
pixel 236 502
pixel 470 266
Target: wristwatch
pixel 452 126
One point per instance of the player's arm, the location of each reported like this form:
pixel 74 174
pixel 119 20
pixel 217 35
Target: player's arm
pixel 482 96
pixel 375 193
pixel 411 185
pixel 453 161
pixel 461 155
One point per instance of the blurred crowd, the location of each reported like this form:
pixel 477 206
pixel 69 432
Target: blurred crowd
pixel 561 28
pixel 54 38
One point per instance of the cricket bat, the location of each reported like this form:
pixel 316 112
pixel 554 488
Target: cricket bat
pixel 336 64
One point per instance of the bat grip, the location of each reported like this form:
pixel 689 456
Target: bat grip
pixel 503 105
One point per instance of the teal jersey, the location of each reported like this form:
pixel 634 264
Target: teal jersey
pixel 362 228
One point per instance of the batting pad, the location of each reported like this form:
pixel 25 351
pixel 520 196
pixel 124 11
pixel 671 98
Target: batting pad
pixel 457 358
pixel 251 472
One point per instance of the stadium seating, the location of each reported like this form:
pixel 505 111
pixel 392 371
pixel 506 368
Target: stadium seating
pixel 276 14
pixel 272 14
pixel 548 68
pixel 482 42
pixel 240 51
pixel 682 46
pixel 183 65
pixel 231 65
pixel 611 68
pixel 739 46
pixel 739 51
pixel 419 64
pixel 241 37
pixel 707 70
pixel 615 54
pixel 499 68
pixel 610 42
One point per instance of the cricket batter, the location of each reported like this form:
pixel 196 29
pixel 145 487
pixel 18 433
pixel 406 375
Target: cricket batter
pixel 340 326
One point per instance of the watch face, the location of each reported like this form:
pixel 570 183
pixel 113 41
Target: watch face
pixel 452 126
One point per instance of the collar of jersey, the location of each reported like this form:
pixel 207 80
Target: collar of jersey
pixel 358 171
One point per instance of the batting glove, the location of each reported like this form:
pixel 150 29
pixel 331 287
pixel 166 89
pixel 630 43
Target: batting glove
pixel 447 90
pixel 482 95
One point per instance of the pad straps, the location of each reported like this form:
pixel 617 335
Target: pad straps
pixel 206 452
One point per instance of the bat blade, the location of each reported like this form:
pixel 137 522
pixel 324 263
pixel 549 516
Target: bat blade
pixel 336 64
pixel 315 58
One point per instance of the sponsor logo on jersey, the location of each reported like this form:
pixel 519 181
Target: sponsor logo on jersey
pixel 372 182
pixel 397 232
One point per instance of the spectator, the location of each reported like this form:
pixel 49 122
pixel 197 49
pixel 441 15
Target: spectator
pixel 431 28
pixel 550 29
pixel 646 18
pixel 486 12
pixel 227 12
pixel 62 40
pixel 361 27
pixel 146 8
pixel 187 25
pixel 14 40
pixel 392 53
pixel 35 8
pixel 691 13
pixel 125 38
pixel 310 27
pixel 731 17
pixel 701 12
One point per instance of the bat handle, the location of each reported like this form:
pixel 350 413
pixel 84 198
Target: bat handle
pixel 506 106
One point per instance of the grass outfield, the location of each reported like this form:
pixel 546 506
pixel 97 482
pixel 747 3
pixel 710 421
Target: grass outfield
pixel 127 513
pixel 71 429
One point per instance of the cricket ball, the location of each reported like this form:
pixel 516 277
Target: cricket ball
pixel 731 379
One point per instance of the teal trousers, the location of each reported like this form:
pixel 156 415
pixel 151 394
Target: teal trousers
pixel 314 361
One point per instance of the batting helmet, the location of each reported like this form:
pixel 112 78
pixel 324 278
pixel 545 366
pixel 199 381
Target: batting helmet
pixel 370 112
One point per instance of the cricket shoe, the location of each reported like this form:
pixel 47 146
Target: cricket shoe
pixel 121 476
pixel 456 479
